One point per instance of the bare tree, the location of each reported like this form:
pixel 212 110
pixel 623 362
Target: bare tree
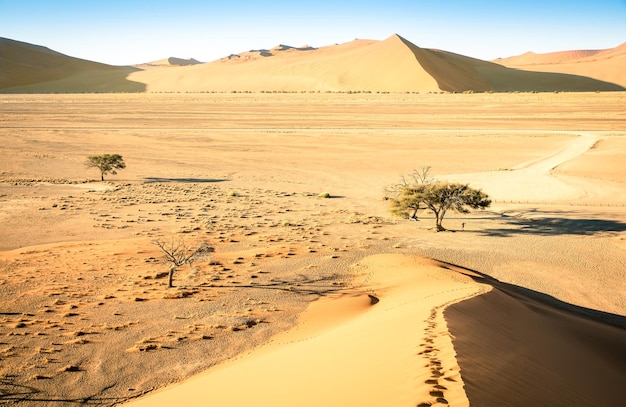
pixel 177 253
pixel 405 196
pixel 422 176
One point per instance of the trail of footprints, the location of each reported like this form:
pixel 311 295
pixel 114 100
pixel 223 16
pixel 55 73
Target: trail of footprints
pixel 438 374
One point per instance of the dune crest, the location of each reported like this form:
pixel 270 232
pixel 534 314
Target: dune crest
pixel 607 65
pixel 30 68
pixel 367 355
pixel 172 61
pixel 391 65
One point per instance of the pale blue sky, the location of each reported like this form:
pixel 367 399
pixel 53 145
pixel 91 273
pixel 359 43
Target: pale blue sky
pixel 135 31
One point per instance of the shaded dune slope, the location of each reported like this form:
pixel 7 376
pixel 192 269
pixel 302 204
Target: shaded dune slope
pixel 517 347
pixel 458 73
pixel 391 65
pixel 394 65
pixel 360 65
pixel 172 61
pixel 607 65
pixel 30 68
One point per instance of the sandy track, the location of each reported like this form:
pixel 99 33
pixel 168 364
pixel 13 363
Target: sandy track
pixel 578 146
pixel 534 181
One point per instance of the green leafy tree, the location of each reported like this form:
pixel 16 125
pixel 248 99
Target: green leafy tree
pixel 440 198
pixel 409 199
pixel 106 163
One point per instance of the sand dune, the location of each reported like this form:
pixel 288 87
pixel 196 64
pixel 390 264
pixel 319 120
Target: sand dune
pixel 171 61
pixel 516 349
pixel 607 65
pixel 86 315
pixel 394 65
pixel 391 65
pixel 29 68
pixel 367 354
pixel 361 65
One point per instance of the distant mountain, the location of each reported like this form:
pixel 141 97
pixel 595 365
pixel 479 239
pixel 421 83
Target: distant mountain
pixel 607 65
pixel 26 68
pixel 391 65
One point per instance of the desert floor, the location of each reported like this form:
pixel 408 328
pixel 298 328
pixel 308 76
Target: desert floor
pixel 85 312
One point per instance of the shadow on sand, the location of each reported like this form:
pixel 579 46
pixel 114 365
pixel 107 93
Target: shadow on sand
pixel 533 298
pixel 11 392
pixel 300 284
pixel 551 225
pixel 518 347
pixel 183 180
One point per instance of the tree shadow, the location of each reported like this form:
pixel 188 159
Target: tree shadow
pixel 300 284
pixel 11 392
pixel 554 225
pixel 538 300
pixel 183 180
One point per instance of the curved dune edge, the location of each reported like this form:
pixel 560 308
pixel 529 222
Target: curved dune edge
pixel 390 347
pixel 510 342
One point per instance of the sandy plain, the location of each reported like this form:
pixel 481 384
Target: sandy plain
pixel 87 318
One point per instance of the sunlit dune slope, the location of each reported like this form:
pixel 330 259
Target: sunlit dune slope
pixel 391 65
pixel 394 65
pixel 26 68
pixel 607 65
pixel 359 65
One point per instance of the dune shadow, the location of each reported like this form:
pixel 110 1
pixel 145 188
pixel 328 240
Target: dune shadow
pixel 183 180
pixel 512 339
pixel 118 81
pixel 554 225
pixel 536 299
pixel 483 76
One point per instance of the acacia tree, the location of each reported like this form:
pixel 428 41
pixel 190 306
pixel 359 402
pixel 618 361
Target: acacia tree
pixel 407 196
pixel 439 197
pixel 408 201
pixel 177 253
pixel 106 163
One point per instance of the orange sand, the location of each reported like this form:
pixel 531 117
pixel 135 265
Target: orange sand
pixel 348 352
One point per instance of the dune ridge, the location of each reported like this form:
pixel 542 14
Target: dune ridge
pixel 171 61
pixel 565 357
pixel 369 358
pixel 30 68
pixel 607 65
pixel 391 65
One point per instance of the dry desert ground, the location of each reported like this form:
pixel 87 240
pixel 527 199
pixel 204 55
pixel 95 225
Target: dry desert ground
pixel 521 304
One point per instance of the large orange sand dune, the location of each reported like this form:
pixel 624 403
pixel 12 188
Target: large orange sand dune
pixel 392 65
pixel 607 65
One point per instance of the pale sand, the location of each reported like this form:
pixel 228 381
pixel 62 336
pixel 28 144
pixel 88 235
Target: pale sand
pixel 350 351
pixel 81 286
